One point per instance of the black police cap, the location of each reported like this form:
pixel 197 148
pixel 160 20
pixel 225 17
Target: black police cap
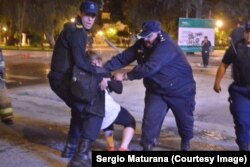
pixel 247 26
pixel 89 7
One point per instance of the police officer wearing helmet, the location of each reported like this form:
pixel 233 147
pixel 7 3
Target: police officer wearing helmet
pixel 239 90
pixel 69 50
pixel 168 79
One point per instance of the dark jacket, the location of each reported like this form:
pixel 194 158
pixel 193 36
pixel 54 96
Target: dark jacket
pixel 164 67
pixel 69 50
pixel 205 47
pixel 98 105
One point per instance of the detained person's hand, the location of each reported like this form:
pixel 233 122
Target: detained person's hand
pixel 118 76
pixel 104 83
pixel 121 76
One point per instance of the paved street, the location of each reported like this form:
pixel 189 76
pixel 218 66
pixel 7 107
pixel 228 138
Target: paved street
pixel 41 118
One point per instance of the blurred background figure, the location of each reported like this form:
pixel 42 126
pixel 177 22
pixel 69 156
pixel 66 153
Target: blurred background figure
pixel 205 51
pixel 6 111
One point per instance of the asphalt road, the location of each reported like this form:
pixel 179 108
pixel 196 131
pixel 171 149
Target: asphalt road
pixel 41 119
pixel 31 67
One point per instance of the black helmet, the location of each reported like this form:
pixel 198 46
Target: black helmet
pixel 89 7
pixel 247 26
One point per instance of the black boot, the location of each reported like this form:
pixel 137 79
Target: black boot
pixel 148 147
pixel 8 121
pixel 70 147
pixel 81 157
pixel 243 146
pixel 185 145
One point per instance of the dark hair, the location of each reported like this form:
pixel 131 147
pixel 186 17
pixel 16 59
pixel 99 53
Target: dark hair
pixel 93 55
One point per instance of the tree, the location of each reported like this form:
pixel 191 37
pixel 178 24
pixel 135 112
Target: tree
pixel 21 13
pixel 50 16
pixel 114 5
pixel 37 17
pixel 15 12
pixel 46 17
pixel 186 6
pixel 233 9
pixel 134 15
pixel 165 11
pixel 137 12
pixel 198 8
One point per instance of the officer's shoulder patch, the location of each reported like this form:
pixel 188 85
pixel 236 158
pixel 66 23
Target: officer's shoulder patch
pixel 139 51
pixel 163 39
pixel 79 26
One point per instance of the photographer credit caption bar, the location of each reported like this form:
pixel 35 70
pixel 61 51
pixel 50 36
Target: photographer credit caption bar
pixel 169 158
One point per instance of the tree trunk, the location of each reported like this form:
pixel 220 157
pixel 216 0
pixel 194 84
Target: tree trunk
pixel 50 38
pixel 199 8
pixel 21 8
pixel 187 13
pixel 210 14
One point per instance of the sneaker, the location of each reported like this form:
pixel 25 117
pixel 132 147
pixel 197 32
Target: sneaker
pixel 123 149
pixel 111 149
pixel 8 121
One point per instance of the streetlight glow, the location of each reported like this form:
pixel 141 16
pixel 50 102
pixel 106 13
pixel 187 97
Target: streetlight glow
pixel 5 29
pixel 219 23
pixel 111 31
pixel 72 20
pixel 100 33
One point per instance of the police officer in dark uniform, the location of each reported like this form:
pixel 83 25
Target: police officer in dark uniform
pixel 239 90
pixel 168 79
pixel 69 50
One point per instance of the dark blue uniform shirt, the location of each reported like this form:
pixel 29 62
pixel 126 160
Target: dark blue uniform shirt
pixel 241 63
pixel 164 67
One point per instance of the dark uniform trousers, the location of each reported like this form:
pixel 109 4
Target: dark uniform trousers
pixel 240 109
pixel 205 57
pixel 156 108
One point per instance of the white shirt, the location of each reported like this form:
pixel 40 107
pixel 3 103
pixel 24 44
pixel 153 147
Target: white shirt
pixel 112 109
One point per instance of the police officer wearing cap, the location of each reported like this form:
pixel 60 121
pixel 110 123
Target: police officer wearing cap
pixel 168 79
pixel 69 50
pixel 239 90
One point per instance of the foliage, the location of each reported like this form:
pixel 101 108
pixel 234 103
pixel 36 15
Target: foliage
pixel 39 17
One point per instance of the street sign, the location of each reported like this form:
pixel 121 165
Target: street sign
pixel 192 32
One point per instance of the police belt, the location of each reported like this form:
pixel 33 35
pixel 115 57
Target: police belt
pixel 245 85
